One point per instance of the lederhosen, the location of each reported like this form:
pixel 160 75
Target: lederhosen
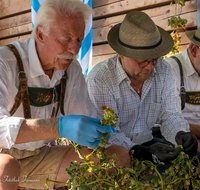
pixel 29 96
pixel 187 97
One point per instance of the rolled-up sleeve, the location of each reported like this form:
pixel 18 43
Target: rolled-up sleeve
pixel 9 128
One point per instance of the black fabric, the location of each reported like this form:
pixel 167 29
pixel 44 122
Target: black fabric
pixel 164 153
pixel 40 97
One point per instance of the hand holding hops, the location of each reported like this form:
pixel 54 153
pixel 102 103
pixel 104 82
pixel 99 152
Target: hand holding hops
pixel 110 119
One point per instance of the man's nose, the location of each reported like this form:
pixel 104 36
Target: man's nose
pixel 74 47
pixel 150 66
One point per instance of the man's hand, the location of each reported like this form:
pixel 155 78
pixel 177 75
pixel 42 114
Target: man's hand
pixel 83 130
pixel 164 152
pixel 188 141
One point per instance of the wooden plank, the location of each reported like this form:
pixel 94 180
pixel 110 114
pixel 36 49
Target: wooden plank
pixel 102 50
pixel 19 38
pixel 159 13
pixel 14 31
pixel 100 34
pixel 102 27
pixel 97 59
pixel 15 21
pixel 98 3
pixel 14 7
pixel 126 6
pixel 191 21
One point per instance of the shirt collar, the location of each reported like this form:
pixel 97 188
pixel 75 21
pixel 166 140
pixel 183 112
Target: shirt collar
pixel 35 65
pixel 120 73
pixel 188 66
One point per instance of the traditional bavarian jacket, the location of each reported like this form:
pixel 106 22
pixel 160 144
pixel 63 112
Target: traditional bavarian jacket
pixel 75 101
pixel 191 112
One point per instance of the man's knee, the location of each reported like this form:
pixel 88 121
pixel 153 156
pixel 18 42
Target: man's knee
pixel 9 165
pixel 121 153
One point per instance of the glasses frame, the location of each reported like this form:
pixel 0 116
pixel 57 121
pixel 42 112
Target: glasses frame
pixel 146 62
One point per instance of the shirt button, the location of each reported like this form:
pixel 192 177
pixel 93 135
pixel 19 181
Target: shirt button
pixel 136 134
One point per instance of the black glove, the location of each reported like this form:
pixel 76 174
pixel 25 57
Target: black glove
pixel 188 141
pixel 159 149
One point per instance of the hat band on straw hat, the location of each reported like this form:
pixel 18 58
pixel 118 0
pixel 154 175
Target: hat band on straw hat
pixel 140 47
pixel 196 38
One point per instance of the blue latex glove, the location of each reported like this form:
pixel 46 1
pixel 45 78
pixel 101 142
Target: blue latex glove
pixel 83 130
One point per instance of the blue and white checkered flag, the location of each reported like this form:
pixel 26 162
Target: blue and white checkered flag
pixel 85 53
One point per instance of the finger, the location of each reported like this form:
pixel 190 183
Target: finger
pixel 176 151
pixel 179 141
pixel 94 144
pixel 95 120
pixel 167 157
pixel 163 156
pixel 167 148
pixel 105 129
pixel 91 139
pixel 192 149
pixel 188 143
pixel 92 132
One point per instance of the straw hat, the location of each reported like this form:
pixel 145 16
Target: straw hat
pixel 194 37
pixel 138 37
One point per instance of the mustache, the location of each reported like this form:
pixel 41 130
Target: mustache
pixel 67 56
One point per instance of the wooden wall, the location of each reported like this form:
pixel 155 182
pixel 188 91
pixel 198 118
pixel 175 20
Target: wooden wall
pixel 15 20
pixel 107 13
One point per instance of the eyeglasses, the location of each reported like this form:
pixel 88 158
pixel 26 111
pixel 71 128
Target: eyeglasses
pixel 146 62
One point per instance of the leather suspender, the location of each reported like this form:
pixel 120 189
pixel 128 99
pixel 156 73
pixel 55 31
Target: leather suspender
pixel 62 94
pixel 182 89
pixel 22 95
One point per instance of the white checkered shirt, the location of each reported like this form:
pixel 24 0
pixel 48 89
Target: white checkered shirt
pixel 109 85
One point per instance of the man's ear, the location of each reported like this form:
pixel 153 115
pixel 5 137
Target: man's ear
pixel 39 34
pixel 194 50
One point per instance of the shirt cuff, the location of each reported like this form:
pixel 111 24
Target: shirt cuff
pixel 13 125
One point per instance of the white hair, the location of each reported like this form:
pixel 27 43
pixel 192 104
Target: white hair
pixel 51 9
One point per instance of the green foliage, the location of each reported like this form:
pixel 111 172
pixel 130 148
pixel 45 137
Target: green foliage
pixel 110 119
pixel 141 175
pixel 176 22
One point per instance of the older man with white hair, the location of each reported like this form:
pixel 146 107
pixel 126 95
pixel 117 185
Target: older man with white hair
pixel 43 96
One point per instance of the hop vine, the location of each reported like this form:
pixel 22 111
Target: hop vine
pixel 141 175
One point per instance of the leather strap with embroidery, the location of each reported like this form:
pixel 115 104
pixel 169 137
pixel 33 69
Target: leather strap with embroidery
pixel 62 94
pixel 22 95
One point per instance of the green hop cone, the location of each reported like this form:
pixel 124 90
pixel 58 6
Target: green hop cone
pixel 110 119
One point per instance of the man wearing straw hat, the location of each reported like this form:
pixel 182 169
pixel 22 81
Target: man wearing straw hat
pixel 190 64
pixel 139 85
